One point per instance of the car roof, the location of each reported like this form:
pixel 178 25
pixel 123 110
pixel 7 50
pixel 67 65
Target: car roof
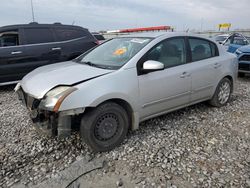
pixel 145 34
pixel 37 25
pixel 223 35
pixel 161 34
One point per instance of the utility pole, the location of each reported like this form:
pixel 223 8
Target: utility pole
pixel 32 9
pixel 201 25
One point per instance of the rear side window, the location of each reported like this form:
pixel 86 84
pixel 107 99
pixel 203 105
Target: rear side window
pixel 9 38
pixel 98 37
pixel 64 34
pixel 38 35
pixel 202 49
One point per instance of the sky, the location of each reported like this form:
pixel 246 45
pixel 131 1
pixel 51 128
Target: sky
pixel 99 15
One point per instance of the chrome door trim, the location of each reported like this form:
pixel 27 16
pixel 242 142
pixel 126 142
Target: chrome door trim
pixel 39 44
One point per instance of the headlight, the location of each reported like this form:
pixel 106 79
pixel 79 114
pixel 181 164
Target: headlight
pixel 238 52
pixel 54 98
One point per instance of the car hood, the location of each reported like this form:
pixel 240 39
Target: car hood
pixel 43 79
pixel 245 49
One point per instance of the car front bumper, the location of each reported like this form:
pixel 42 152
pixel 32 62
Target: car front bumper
pixel 244 63
pixel 244 66
pixel 46 122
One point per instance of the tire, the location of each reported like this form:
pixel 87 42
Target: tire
pixel 241 74
pixel 222 93
pixel 104 127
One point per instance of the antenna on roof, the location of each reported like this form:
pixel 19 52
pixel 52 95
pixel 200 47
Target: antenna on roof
pixel 32 10
pixel 73 23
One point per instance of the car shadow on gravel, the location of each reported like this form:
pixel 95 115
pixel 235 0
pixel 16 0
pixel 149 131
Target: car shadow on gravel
pixel 168 120
pixel 7 88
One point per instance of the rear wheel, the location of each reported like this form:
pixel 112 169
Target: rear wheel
pixel 222 93
pixel 104 127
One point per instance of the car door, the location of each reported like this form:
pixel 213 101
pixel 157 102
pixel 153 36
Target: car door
pixel 205 68
pixel 12 55
pixel 41 48
pixel 167 89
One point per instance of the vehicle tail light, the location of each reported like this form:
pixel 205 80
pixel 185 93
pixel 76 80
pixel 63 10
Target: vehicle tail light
pixel 97 42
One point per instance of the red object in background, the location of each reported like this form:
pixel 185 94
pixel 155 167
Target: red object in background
pixel 145 29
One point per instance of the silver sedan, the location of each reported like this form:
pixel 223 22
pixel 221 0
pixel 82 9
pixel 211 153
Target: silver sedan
pixel 124 81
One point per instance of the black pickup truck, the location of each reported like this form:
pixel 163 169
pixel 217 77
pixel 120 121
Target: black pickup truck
pixel 26 47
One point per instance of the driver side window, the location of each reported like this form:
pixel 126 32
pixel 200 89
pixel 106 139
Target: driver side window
pixel 170 52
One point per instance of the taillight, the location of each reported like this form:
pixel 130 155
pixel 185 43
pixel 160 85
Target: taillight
pixel 97 42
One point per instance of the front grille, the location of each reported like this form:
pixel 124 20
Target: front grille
pixel 245 58
pixel 244 66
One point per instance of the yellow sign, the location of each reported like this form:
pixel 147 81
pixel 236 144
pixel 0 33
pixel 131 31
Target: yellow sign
pixel 225 26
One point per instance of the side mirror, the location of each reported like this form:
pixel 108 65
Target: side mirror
pixel 150 66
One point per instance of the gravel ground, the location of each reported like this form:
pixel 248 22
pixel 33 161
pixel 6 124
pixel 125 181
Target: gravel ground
pixel 198 146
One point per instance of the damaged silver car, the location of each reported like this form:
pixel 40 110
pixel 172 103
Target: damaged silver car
pixel 115 86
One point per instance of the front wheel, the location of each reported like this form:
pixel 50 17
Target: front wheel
pixel 105 126
pixel 222 93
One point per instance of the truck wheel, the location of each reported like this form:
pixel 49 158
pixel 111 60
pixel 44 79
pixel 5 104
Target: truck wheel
pixel 222 93
pixel 105 127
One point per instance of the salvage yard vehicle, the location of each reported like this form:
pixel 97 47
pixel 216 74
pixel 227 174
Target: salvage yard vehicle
pixel 243 54
pixel 122 82
pixel 221 38
pixel 235 41
pixel 26 47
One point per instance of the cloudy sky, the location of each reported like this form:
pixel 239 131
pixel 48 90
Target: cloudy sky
pixel 121 14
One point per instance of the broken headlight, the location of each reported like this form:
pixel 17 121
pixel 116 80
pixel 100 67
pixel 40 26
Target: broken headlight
pixel 54 98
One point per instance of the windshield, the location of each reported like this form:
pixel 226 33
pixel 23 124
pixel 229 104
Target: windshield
pixel 114 53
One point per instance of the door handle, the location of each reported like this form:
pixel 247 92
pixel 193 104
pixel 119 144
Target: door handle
pixel 56 48
pixel 16 52
pixel 217 65
pixel 185 74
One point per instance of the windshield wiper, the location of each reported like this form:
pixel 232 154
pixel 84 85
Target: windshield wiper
pixel 88 63
pixel 96 65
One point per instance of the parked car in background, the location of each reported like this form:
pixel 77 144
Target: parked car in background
pixel 248 38
pixel 235 41
pixel 243 54
pixel 127 80
pixel 221 38
pixel 26 47
pixel 99 37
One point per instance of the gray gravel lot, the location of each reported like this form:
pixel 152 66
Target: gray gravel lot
pixel 198 146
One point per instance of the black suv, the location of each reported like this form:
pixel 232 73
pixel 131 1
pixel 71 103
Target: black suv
pixel 26 47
